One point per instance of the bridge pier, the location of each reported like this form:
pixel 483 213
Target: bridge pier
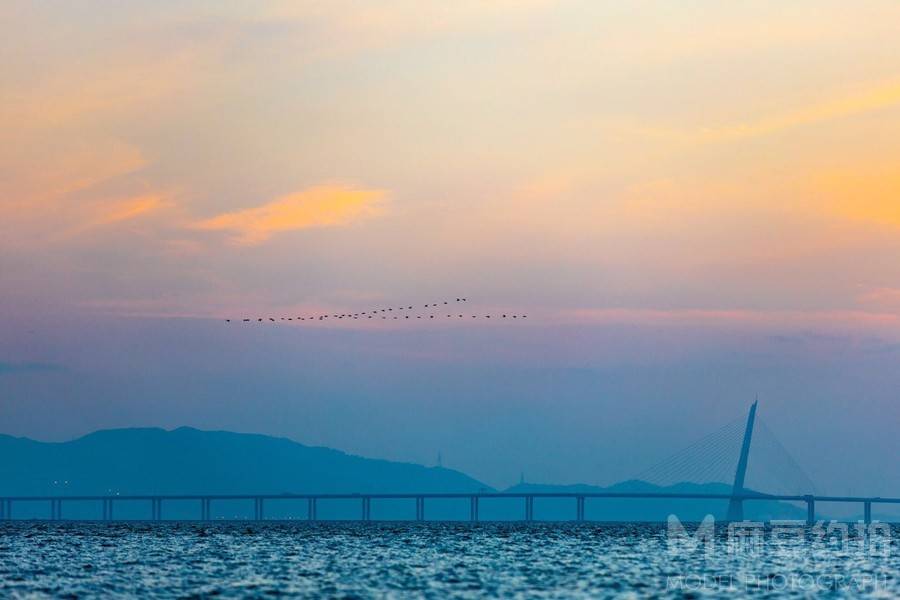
pixel 529 508
pixel 867 510
pixel 205 509
pixel 311 509
pixel 7 512
pixel 579 509
pixel 55 509
pixel 810 510
pixel 107 509
pixel 258 509
pixel 366 508
pixel 473 509
pixel 420 508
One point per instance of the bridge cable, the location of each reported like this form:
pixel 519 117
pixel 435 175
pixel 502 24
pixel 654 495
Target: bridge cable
pixel 708 453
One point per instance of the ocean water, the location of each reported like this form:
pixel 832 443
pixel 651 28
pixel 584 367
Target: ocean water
pixel 439 560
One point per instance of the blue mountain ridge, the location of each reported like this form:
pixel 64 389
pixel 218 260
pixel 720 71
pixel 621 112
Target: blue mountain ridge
pixel 191 461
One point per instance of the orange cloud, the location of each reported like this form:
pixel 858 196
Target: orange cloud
pixel 860 102
pixel 129 209
pixel 321 206
pixel 85 218
pixel 870 193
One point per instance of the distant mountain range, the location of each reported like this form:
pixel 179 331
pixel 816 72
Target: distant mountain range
pixel 191 461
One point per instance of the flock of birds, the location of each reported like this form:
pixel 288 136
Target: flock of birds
pixel 392 313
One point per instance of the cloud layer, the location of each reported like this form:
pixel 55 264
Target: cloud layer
pixel 654 157
pixel 323 206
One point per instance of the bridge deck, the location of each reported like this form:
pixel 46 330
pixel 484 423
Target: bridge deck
pixel 411 495
pixel 156 501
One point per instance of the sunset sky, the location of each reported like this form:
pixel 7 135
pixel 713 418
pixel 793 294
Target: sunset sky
pixel 694 202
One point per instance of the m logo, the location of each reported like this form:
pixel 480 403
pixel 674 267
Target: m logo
pixel 679 543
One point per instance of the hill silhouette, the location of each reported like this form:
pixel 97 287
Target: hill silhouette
pixel 187 460
pixel 191 461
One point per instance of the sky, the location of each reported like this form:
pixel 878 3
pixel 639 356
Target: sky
pixel 694 202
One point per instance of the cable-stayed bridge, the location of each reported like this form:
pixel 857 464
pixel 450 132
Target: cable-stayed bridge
pixel 748 441
pixel 725 456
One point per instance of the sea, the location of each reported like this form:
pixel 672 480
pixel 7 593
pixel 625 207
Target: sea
pixel 447 560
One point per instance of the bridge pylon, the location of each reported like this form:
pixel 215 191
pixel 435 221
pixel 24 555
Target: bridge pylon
pixel 736 505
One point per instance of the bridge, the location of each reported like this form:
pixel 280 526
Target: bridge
pixel 55 503
pixel 736 499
